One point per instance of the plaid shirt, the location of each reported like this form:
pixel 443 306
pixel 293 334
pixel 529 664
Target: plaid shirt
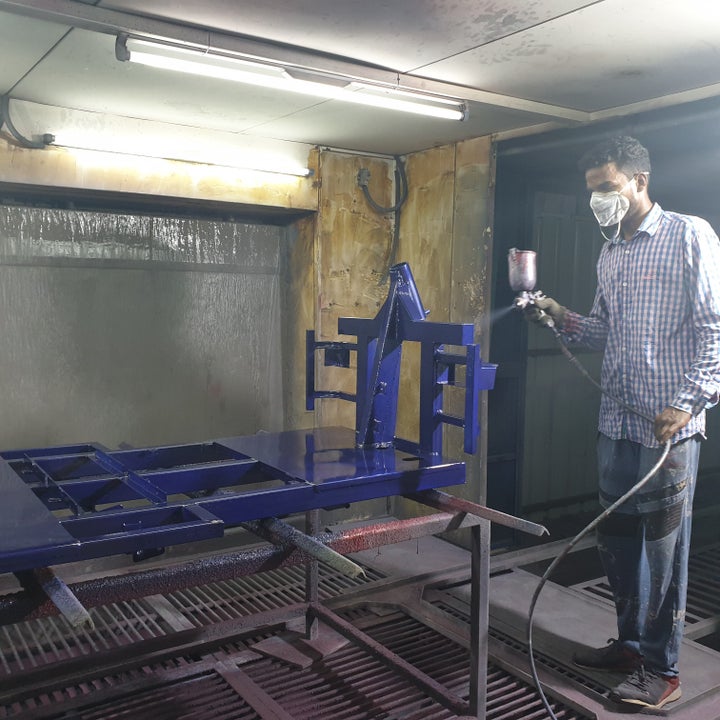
pixel 657 316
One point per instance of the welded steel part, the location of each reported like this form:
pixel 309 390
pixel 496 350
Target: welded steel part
pixel 74 503
pixel 285 535
pixel 79 502
pixel 403 318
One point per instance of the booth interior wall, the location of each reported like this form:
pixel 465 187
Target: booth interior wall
pixel 137 330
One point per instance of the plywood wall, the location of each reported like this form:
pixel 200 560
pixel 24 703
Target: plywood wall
pixel 444 237
pixel 351 258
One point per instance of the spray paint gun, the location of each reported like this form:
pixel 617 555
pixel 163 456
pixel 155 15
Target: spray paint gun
pixel 522 274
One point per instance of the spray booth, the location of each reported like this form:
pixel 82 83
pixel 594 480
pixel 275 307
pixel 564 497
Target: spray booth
pixel 205 620
pixel 276 444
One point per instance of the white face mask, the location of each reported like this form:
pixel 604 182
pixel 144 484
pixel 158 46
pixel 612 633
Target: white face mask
pixel 610 208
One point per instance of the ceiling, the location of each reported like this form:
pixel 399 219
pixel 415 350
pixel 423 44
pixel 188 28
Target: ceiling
pixel 518 64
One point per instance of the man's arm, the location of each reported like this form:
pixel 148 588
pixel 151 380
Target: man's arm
pixel 591 330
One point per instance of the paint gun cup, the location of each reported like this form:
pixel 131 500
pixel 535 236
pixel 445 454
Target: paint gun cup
pixel 522 272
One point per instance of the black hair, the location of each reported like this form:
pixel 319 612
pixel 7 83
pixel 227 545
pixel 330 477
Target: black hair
pixel 626 152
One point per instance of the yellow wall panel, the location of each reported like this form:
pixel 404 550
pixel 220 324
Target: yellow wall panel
pixel 58 167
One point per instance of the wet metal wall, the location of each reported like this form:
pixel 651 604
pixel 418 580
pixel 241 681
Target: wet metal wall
pixel 135 329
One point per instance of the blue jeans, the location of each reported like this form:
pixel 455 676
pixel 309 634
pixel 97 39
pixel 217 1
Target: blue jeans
pixel 644 545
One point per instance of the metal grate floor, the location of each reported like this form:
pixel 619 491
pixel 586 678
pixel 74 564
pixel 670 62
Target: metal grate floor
pixel 451 607
pixel 703 597
pixel 46 641
pixel 35 643
pixel 203 695
pixel 448 663
pixel 231 680
pixel 347 685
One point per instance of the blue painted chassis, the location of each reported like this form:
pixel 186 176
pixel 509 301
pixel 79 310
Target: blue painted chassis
pixel 378 349
pixel 79 502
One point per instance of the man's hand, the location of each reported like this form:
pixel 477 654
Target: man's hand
pixel 669 421
pixel 548 306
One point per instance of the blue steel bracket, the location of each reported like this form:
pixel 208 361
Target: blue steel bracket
pixel 379 350
pixel 335 354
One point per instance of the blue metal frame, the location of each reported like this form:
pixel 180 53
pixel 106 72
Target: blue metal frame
pixel 69 504
pixel 84 501
pixel 379 349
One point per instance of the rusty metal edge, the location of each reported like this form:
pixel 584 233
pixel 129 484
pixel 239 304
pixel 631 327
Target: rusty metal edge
pixel 20 606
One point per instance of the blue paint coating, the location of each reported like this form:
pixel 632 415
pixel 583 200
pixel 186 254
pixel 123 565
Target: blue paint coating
pixel 77 502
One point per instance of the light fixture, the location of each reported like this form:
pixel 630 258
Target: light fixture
pixel 242 161
pixel 154 147
pixel 89 160
pixel 269 75
pixel 141 138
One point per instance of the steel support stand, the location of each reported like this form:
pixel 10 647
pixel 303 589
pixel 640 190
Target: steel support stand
pixel 479 617
pixel 312 577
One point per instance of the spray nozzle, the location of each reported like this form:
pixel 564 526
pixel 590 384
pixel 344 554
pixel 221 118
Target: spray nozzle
pixel 523 299
pixel 527 299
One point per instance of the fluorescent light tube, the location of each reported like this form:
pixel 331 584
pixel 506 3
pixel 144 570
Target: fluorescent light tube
pixel 277 166
pixel 185 60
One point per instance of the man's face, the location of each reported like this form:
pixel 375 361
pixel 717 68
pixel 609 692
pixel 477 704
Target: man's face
pixel 607 178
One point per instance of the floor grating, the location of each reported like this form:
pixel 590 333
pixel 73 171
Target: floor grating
pixel 35 643
pixel 347 685
pixel 453 609
pixel 233 681
pixel 703 597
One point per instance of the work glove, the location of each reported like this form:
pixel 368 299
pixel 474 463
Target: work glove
pixel 538 311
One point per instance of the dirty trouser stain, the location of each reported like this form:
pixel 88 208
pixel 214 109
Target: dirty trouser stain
pixel 644 545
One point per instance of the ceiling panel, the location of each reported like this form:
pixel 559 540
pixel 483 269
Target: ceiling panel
pixel 517 63
pixel 83 73
pixel 609 54
pixel 24 42
pixel 86 61
pixel 399 35
pixel 386 132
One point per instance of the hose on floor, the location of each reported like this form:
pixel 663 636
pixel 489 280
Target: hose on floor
pixel 590 526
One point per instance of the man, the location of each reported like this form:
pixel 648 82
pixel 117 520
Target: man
pixel 656 315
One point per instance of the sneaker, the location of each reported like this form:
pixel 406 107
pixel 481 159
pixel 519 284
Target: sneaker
pixel 614 657
pixel 647 688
